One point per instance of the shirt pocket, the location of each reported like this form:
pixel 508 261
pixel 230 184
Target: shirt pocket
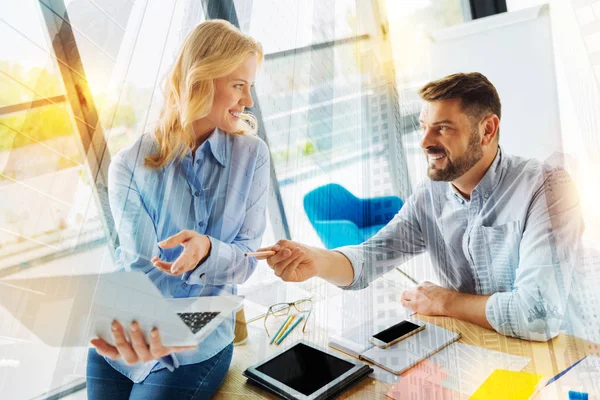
pixel 498 257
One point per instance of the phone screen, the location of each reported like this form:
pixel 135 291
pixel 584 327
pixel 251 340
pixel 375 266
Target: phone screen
pixel 396 331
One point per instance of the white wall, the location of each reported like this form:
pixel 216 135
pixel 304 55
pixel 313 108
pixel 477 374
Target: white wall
pixel 513 5
pixel 515 51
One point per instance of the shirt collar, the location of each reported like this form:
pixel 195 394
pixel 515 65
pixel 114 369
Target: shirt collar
pixel 490 180
pixel 217 145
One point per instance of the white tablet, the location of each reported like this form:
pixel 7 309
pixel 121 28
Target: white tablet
pixel 69 310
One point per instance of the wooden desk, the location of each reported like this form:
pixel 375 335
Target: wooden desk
pixel 547 358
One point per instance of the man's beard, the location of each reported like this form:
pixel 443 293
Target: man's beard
pixel 457 168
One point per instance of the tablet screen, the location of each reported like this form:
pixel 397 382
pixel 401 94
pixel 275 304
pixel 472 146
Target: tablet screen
pixel 305 369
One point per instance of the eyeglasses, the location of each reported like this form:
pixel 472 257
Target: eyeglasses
pixel 283 309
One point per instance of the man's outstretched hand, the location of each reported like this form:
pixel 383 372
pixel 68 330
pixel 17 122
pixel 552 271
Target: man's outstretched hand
pixel 292 261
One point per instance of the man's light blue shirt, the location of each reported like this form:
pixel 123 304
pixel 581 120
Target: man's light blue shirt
pixel 220 191
pixel 515 239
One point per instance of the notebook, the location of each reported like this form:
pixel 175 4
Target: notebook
pixel 398 357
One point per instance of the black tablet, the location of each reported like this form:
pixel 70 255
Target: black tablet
pixel 305 371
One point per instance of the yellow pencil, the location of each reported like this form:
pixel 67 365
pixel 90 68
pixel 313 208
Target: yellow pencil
pixel 287 324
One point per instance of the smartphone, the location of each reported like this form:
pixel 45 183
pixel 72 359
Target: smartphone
pixel 395 333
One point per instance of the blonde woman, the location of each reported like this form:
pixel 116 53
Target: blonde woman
pixel 188 201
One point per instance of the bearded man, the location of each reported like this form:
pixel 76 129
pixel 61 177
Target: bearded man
pixel 501 231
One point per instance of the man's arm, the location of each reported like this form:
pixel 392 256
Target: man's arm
pixel 431 299
pixel 295 262
pixel 397 242
pixel 334 267
pixel 468 307
pixel 352 267
pixel 534 309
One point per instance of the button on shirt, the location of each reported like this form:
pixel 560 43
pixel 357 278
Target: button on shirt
pixel 220 191
pixel 515 239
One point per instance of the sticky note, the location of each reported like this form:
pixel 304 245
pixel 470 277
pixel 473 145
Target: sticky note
pixel 507 385
pixel 422 382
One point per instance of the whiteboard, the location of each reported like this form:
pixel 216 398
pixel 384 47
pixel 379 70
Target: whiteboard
pixel 515 51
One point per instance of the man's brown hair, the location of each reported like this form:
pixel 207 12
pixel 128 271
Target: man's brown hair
pixel 478 96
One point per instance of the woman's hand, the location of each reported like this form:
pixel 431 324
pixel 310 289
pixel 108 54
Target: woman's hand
pixel 137 350
pixel 195 248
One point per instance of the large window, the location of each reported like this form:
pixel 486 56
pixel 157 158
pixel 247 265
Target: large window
pixel 48 208
pixel 81 80
pixel 337 93
pixel 410 24
pixel 338 106
pixel 43 180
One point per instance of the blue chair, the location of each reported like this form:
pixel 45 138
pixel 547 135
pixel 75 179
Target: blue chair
pixel 342 219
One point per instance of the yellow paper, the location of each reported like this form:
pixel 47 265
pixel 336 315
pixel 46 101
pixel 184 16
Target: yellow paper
pixel 507 385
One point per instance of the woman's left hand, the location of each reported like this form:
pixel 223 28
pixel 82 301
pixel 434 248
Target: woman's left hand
pixel 195 248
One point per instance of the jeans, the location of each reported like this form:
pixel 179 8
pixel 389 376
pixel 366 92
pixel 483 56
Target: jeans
pixel 193 381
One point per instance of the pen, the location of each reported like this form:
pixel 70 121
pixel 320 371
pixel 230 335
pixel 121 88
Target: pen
pixel 407 276
pixel 291 328
pixel 260 254
pixel 285 323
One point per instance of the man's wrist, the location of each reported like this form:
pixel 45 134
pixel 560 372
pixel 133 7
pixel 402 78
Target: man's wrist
pixel 326 260
pixel 466 307
pixel 450 299
pixel 320 262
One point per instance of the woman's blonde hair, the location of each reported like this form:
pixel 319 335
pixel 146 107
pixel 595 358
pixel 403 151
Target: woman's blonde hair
pixel 212 50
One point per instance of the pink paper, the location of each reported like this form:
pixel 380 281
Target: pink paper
pixel 422 382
